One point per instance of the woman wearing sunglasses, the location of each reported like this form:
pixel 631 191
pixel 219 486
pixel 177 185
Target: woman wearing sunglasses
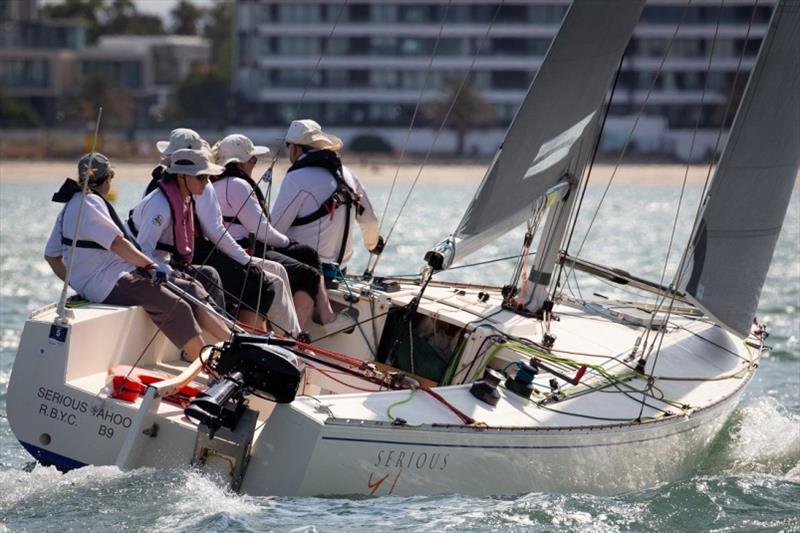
pixel 164 222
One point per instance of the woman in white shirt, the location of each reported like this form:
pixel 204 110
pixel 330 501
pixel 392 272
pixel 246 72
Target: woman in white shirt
pixel 256 287
pixel 108 268
pixel 246 215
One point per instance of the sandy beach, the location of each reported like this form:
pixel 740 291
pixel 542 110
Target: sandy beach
pixel 379 172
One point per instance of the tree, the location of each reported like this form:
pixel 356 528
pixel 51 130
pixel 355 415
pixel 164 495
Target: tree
pixel 116 17
pixel 186 17
pixel 202 97
pixel 218 28
pixel 123 18
pixel 471 110
pixel 16 114
pixel 89 10
pixel 98 90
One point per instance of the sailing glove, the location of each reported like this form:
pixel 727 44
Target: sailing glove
pixel 159 273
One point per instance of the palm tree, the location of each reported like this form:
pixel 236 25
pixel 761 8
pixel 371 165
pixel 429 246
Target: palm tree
pixel 470 110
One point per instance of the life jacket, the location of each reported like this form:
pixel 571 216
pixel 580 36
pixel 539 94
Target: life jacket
pixel 342 196
pixel 183 221
pixel 236 172
pixel 65 193
pixel 202 244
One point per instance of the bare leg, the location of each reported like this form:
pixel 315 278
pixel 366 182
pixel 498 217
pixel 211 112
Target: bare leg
pixel 250 318
pixel 326 314
pixel 193 347
pixel 212 325
pixel 304 306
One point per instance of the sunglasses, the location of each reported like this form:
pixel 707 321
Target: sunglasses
pixel 203 177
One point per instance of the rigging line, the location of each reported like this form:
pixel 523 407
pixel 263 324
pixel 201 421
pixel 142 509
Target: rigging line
pixel 671 294
pixel 414 115
pixel 61 317
pixel 310 80
pixel 729 104
pixel 635 125
pixel 579 203
pixel 444 120
pixel 279 151
pixel 728 107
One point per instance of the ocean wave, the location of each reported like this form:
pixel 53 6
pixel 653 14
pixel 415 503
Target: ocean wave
pixel 765 438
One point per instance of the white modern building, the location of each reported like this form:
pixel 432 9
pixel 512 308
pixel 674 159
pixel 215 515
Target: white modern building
pixel 361 67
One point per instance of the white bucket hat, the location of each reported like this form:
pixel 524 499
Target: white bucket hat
pixel 193 163
pixel 309 133
pixel 181 138
pixel 236 148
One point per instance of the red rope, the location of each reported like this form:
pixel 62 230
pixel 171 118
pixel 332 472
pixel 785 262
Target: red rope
pixel 328 374
pixel 460 414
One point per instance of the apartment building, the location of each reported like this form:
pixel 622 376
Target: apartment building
pixel 361 66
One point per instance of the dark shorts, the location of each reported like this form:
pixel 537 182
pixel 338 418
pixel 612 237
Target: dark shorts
pixel 170 313
pixel 301 263
pixel 245 287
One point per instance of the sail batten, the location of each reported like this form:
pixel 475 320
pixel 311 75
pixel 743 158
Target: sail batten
pixel 545 141
pixel 732 246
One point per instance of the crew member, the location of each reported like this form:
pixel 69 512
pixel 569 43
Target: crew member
pixel 108 268
pixel 245 212
pixel 216 250
pixel 320 199
pixel 164 222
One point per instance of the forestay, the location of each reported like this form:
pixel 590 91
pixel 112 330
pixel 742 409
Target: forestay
pixel 552 134
pixel 733 243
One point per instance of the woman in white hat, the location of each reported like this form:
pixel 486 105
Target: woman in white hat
pixel 182 138
pixel 164 222
pixel 108 267
pixel 245 212
pixel 320 199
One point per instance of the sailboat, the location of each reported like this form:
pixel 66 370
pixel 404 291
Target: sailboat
pixel 445 387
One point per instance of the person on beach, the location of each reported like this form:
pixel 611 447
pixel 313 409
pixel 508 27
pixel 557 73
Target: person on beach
pixel 246 214
pixel 320 199
pixel 109 268
pixel 260 287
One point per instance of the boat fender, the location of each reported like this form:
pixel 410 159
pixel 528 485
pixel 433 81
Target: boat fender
pixel 486 389
pixel 522 382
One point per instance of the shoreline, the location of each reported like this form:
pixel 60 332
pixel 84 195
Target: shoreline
pixel 52 171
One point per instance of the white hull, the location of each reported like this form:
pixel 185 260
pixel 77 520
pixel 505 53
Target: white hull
pixel 337 441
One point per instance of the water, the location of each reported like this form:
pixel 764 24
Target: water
pixel 750 479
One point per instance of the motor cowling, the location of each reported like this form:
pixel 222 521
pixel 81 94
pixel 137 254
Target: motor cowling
pixel 268 368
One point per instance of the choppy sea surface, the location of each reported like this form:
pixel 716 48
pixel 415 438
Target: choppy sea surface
pixel 750 480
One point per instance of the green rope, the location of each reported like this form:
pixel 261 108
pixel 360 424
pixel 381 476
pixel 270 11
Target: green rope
pixel 401 402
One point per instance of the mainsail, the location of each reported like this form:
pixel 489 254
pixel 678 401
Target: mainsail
pixel 553 132
pixel 734 240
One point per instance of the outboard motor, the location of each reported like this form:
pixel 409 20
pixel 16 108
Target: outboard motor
pixel 248 364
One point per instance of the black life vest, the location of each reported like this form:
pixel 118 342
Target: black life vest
pixel 232 171
pixel 65 193
pixel 343 195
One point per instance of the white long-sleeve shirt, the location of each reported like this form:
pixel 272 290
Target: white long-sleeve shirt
pixel 94 271
pixel 302 192
pixel 153 220
pixel 209 215
pixel 237 200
